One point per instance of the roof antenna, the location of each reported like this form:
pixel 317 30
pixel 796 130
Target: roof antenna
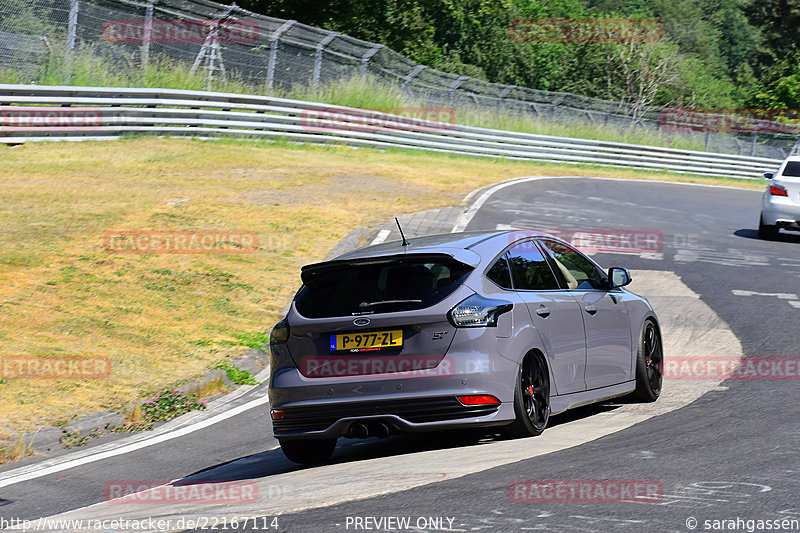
pixel 405 242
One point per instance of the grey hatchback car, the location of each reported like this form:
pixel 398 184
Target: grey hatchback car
pixel 477 329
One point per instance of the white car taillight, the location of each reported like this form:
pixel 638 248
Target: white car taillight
pixel 777 190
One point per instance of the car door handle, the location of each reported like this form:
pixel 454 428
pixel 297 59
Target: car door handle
pixel 543 312
pixel 591 309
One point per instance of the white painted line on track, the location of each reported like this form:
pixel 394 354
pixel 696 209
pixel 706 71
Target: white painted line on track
pixel 469 213
pixel 17 478
pixel 382 235
pixel 778 295
pixel 90 455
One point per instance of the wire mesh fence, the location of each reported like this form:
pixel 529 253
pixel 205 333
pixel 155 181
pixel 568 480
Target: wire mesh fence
pixel 221 41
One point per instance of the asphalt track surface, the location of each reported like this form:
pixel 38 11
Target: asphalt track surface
pixel 731 455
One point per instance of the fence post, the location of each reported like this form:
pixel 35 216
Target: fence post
pixel 451 89
pixel 365 59
pixel 72 31
pixel 318 56
pixel 796 148
pixel 273 50
pixel 502 95
pixel 411 75
pixel 211 51
pixel 148 32
pixel 755 138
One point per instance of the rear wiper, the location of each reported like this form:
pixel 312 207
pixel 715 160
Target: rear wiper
pixel 367 305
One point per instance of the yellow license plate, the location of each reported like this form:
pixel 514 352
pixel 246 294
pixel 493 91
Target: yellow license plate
pixel 372 340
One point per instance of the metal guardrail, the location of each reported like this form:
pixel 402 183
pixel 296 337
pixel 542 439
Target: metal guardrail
pixel 66 113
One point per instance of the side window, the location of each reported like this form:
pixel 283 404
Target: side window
pixel 530 268
pixel 499 272
pixel 579 272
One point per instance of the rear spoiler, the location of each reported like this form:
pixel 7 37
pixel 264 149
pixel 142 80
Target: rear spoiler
pixel 466 257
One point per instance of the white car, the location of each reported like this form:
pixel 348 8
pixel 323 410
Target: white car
pixel 780 205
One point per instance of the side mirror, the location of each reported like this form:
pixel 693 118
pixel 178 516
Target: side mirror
pixel 768 175
pixel 618 277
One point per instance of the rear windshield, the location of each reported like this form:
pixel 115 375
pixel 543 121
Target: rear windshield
pixel 792 169
pixel 379 286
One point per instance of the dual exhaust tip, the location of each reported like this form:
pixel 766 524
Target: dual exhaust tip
pixel 358 430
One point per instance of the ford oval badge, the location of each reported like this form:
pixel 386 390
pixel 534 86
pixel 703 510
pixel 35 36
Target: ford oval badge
pixel 361 321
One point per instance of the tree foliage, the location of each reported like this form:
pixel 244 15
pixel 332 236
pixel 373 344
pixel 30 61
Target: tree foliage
pixel 714 53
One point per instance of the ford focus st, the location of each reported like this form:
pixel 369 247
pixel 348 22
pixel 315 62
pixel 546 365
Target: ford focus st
pixel 479 329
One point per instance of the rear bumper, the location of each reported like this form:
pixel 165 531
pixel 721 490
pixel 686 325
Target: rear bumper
pixel 780 211
pixel 406 401
pixel 410 415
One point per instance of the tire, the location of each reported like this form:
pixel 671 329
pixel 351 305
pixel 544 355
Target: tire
pixel 307 451
pixel 766 231
pixel 531 398
pixel 649 364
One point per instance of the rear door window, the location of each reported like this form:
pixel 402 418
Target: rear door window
pixel 378 285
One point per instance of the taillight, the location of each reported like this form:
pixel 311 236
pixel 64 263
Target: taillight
pixel 478 399
pixel 777 190
pixel 478 312
pixel 280 333
pixel 277 414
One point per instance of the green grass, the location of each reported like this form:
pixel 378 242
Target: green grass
pixel 90 68
pixel 236 375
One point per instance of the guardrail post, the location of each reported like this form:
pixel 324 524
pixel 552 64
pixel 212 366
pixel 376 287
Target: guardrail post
pixel 411 75
pixel 273 50
pixel 148 32
pixel 362 71
pixel 318 56
pixel 72 32
pixel 502 95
